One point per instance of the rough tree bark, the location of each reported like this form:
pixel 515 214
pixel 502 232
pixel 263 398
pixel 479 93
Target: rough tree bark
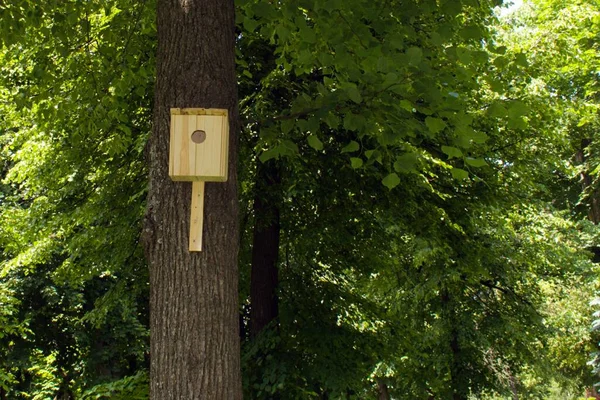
pixel 193 296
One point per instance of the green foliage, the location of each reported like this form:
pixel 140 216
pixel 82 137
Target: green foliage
pixel 391 83
pixel 448 272
pixel 133 387
pixel 430 213
pixel 75 98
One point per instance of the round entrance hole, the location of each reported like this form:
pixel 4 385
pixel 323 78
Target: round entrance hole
pixel 198 136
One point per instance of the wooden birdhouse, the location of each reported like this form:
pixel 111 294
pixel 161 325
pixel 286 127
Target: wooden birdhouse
pixel 198 152
pixel 199 144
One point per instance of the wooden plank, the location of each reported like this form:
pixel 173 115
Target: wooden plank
pixel 172 146
pixel 208 156
pixel 199 111
pixel 181 148
pixel 188 149
pixel 197 216
pixel 225 149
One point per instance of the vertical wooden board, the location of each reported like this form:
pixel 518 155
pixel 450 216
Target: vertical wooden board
pixel 199 170
pixel 225 148
pixel 171 146
pixel 183 155
pixel 197 216
pixel 212 156
pixel 193 120
pixel 217 128
pixel 190 147
pixel 183 160
pixel 209 153
pixel 174 163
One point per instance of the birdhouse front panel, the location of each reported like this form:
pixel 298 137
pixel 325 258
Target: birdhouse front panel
pixel 199 144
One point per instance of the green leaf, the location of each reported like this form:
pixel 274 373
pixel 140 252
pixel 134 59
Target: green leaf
pixel 458 173
pixel 354 122
pixel 436 39
pixel 269 154
pixel 250 24
pixel 315 142
pixel 282 32
pixel 475 162
pixel 414 55
pixel 521 60
pixel 464 55
pixel 374 155
pixel 351 147
pixel 471 32
pixel 497 110
pixel 391 181
pixel 469 134
pixel 407 105
pixel 435 125
pixel 452 152
pixel 406 162
pixel 499 50
pixel 308 35
pixel 332 120
pixel 390 78
pixel 356 162
pixel 287 125
pixel 501 62
pixel 517 109
pixel 354 94
pixel 288 147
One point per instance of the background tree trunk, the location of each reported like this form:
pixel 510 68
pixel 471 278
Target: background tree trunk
pixel 264 277
pixel 458 383
pixel 195 350
pixel 588 191
pixel 382 390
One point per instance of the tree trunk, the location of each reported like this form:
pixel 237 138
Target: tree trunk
pixel 264 277
pixel 64 390
pixel 586 182
pixel 458 385
pixel 591 393
pixel 456 368
pixel 194 342
pixel 382 390
pixel 513 384
pixel 593 214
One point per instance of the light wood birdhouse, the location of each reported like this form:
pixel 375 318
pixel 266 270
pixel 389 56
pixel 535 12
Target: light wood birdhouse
pixel 199 150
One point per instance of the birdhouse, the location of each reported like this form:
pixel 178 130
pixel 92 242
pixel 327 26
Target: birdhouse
pixel 199 144
pixel 199 150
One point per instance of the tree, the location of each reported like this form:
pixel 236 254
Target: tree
pixel 194 300
pixel 76 87
pixel 405 180
pixel 463 275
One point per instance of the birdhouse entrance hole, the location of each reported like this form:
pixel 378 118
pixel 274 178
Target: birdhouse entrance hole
pixel 198 136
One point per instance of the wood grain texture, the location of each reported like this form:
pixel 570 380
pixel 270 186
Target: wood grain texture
pixel 197 216
pixel 199 111
pixel 194 329
pixel 206 161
